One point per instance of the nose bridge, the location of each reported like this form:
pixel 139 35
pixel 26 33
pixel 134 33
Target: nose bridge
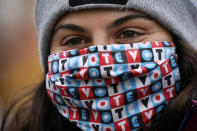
pixel 100 38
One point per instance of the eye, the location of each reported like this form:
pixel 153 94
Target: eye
pixel 74 41
pixel 128 36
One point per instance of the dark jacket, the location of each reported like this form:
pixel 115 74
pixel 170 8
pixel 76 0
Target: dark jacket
pixel 190 120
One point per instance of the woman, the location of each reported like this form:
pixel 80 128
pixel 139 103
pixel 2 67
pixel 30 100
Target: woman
pixel 114 65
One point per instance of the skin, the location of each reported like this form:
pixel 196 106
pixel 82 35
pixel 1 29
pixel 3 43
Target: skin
pixel 85 28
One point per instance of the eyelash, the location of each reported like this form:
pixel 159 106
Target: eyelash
pixel 131 35
pixel 74 41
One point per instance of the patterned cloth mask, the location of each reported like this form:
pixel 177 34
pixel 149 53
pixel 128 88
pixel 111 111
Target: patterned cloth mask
pixel 113 87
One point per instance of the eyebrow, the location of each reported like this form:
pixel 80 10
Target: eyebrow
pixel 124 19
pixel 115 23
pixel 71 27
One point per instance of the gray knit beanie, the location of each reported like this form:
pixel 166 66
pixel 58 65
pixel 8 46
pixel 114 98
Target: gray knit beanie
pixel 178 16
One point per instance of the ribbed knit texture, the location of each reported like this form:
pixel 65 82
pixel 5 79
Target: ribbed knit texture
pixel 178 16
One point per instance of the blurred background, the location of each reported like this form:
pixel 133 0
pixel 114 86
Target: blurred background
pixel 19 60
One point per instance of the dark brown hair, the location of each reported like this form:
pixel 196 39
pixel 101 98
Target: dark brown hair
pixel 38 113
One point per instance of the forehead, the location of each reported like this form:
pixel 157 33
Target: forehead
pixel 95 15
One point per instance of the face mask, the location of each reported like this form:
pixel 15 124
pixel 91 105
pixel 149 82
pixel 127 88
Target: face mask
pixel 113 87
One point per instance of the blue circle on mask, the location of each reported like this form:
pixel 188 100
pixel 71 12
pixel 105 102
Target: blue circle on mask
pixel 53 79
pixel 73 52
pixel 55 67
pixel 106 117
pixel 100 92
pixel 147 55
pixel 59 100
pixel 75 71
pixel 150 65
pixel 94 73
pixel 156 86
pixel 159 108
pixel 166 43
pixel 92 48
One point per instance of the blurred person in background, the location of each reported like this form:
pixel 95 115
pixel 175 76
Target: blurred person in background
pixel 18 51
pixel 113 65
